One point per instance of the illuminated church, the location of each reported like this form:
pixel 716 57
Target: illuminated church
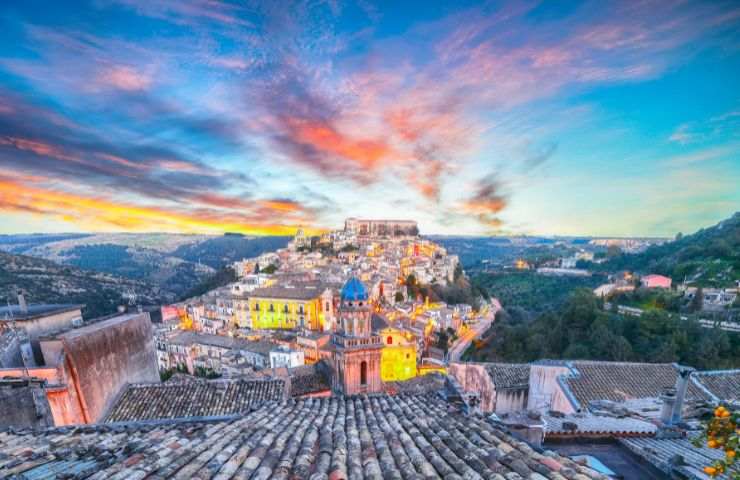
pixel 357 352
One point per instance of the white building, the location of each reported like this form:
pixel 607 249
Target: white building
pixel 285 357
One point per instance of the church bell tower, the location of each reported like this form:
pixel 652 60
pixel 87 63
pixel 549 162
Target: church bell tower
pixel 356 349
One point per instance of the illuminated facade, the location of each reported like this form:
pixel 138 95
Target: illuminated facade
pixel 310 307
pixel 398 357
pixel 381 228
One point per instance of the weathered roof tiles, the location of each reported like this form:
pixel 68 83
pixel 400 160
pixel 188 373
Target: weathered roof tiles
pixel 193 399
pixel 620 381
pixel 374 438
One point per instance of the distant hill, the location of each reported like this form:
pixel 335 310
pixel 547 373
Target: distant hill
pixel 216 252
pixel 44 281
pixel 175 263
pixel 709 257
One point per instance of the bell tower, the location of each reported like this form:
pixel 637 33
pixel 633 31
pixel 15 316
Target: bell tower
pixel 356 349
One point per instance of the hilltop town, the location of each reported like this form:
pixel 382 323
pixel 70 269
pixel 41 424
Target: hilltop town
pixel 328 359
pixel 284 306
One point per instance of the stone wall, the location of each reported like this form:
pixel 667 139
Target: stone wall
pixel 44 325
pixel 544 390
pixel 475 378
pixel 23 404
pixel 103 357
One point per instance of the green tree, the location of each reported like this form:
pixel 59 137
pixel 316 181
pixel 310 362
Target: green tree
pixel 697 303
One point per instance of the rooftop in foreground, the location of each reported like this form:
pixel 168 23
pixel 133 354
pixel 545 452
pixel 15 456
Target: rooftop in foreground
pixel 377 437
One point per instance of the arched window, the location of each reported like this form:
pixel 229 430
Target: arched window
pixel 389 340
pixel 363 373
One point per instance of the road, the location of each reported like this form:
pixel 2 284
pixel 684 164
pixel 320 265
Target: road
pixel 476 331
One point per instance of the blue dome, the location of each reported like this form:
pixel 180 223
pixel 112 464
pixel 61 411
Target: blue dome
pixel 354 290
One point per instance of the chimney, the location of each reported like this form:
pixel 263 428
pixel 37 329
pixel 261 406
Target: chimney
pixel 22 302
pixel 669 401
pixel 682 385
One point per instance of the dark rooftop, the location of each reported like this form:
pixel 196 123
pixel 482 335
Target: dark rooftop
pixel 36 311
pixel 509 375
pixel 188 338
pixel 377 437
pixel 619 381
pixel 721 385
pixel 193 399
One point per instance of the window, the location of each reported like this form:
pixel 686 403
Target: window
pixel 408 356
pixel 256 307
pixel 272 307
pixel 327 307
pixel 363 373
pixel 285 309
pixel 300 309
pixel 389 340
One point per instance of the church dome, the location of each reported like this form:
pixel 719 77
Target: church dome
pixel 354 290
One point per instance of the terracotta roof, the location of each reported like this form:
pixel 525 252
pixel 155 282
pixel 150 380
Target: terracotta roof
pixel 619 381
pixel 194 399
pixel 722 385
pixel 509 375
pixel 336 438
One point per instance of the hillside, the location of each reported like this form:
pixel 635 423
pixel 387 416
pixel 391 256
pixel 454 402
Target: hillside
pixel 709 257
pixel 175 263
pixel 44 281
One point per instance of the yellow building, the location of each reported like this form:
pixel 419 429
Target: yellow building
pixel 288 307
pixel 398 357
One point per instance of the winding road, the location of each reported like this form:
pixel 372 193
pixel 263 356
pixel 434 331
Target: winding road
pixel 476 331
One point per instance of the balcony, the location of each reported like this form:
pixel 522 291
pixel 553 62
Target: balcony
pixel 358 342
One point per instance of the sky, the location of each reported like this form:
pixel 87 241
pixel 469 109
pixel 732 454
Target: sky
pixel 475 118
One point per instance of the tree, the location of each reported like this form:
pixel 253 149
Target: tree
pixel 399 297
pixel 270 269
pixel 458 272
pixel 697 303
pixel 722 431
pixel 613 251
pixel 442 340
pixel 256 268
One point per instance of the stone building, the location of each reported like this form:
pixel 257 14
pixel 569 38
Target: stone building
pixel 357 352
pixel 83 369
pixel 381 228
pixel 40 319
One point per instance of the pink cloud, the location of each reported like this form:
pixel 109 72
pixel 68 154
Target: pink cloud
pixel 125 78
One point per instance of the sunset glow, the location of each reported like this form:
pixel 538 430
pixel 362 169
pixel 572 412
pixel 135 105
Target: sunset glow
pixel 477 118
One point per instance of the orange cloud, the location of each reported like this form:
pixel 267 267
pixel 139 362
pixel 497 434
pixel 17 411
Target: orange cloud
pixel 486 202
pixel 365 153
pixel 97 213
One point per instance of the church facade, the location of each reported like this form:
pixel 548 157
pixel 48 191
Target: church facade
pixel 357 352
